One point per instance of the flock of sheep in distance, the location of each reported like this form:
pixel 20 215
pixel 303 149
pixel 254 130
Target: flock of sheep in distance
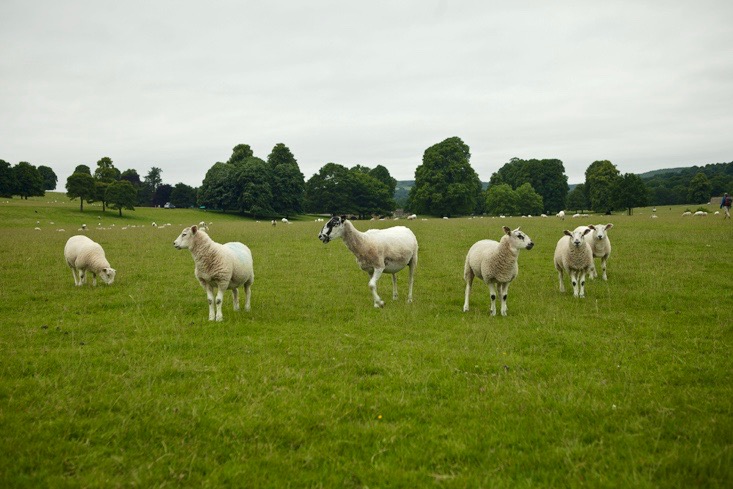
pixel 229 266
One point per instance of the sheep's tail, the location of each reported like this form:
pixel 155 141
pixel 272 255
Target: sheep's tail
pixel 467 271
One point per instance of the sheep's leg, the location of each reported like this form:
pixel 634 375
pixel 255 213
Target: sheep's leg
pixel 581 279
pixel 94 279
pixel 235 298
pixel 469 283
pixel 603 267
pixel 492 292
pixel 77 281
pixel 562 284
pixel 394 286
pixel 504 292
pixel 219 302
pixel 247 295
pixel 82 277
pixel 412 265
pixel 378 302
pixel 210 296
pixel 574 280
pixel 592 273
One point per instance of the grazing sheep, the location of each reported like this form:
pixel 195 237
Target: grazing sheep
pixel 561 215
pixel 221 266
pixel 203 227
pixel 686 213
pixel 84 255
pixel 573 255
pixel 496 264
pixel 284 220
pixel 412 217
pixel 377 251
pixel 600 244
pixel 701 214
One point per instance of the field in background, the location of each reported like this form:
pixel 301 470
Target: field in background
pixel 130 384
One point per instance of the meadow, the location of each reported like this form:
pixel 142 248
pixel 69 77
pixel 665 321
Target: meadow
pixel 130 385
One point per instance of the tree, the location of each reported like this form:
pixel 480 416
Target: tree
pixel 131 176
pixel 600 178
pixel 153 178
pixel 240 153
pixel 577 199
pixel 121 195
pixel 80 185
pixel 162 195
pixel 104 175
pixel 329 190
pixel 28 180
pixel 629 191
pixel 280 155
pixel 49 177
pixel 83 169
pixel 501 199
pixel 150 183
pixel 699 190
pixel 369 196
pixel 219 188
pixel 445 182
pixel 547 178
pixel 183 195
pixel 253 180
pixel 382 174
pixel 287 181
pixel 7 179
pixel 528 201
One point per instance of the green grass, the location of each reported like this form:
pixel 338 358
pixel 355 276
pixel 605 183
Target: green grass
pixel 131 385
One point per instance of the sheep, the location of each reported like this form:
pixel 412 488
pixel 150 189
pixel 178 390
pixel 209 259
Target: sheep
pixel 84 255
pixel 561 215
pixel 496 264
pixel 686 213
pixel 203 227
pixel 284 220
pixel 377 251
pixel 700 214
pixel 222 266
pixel 574 256
pixel 600 245
pixel 412 217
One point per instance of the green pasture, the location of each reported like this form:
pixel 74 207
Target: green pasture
pixel 131 385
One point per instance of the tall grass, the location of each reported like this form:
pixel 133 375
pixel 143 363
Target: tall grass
pixel 131 385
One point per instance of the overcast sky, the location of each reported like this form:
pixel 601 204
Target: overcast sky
pixel 644 84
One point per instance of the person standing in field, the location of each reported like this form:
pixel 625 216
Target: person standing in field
pixel 725 203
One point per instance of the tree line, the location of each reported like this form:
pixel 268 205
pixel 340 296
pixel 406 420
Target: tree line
pixel 25 180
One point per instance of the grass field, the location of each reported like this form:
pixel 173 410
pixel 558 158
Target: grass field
pixel 131 385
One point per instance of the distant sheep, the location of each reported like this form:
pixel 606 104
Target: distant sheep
pixel 222 266
pixel 561 215
pixel 84 255
pixel 701 214
pixel 600 244
pixel 686 213
pixel 377 251
pixel 203 227
pixel 496 264
pixel 285 221
pixel 574 257
pixel 412 217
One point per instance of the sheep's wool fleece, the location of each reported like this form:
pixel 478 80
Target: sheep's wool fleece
pixel 84 254
pixel 568 257
pixel 493 261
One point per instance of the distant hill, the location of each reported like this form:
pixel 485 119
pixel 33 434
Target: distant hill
pixel 652 173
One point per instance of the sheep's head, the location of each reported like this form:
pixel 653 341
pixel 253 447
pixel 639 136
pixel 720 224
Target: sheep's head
pixel 519 239
pixel 183 241
pixel 601 230
pixel 333 229
pixel 108 275
pixel 577 237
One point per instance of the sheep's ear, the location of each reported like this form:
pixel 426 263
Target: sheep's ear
pixel 567 233
pixel 343 218
pixel 609 225
pixel 590 228
pixel 507 230
pixel 194 228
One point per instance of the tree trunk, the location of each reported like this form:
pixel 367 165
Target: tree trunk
pixel 120 211
pixel 81 205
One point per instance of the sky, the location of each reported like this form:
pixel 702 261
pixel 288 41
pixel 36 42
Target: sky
pixel 177 84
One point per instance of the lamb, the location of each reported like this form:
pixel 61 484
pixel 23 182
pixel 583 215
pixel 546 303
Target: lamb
pixel 222 266
pixel 496 264
pixel 561 215
pixel 574 257
pixel 377 251
pixel 601 246
pixel 84 255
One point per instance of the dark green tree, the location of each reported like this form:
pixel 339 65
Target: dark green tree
pixel 528 201
pixel 219 188
pixel 629 191
pixel 287 182
pixel 254 179
pixel 146 191
pixel 445 182
pixel 577 199
pixel 183 195
pixel 131 176
pixel 546 176
pixel 80 186
pixel 382 174
pixel 329 190
pixel 28 180
pixel 104 175
pixel 501 199
pixel 121 194
pixel 7 179
pixel 162 195
pixel 370 196
pixel 600 178
pixel 240 153
pixel 280 155
pixel 83 169
pixel 699 191
pixel 49 177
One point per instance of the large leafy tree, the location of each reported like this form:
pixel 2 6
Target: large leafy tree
pixel 577 199
pixel 162 195
pixel 382 174
pixel 370 196
pixel 288 183
pixel 219 188
pixel 445 182
pixel 546 176
pixel 121 194
pixel 183 195
pixel 7 179
pixel 28 180
pixel 240 153
pixel 700 189
pixel 80 186
pixel 329 190
pixel 600 178
pixel 501 199
pixel 49 177
pixel 83 169
pixel 254 179
pixel 629 191
pixel 146 191
pixel 104 175
pixel 528 201
pixel 131 176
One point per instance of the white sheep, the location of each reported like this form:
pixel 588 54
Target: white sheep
pixel 377 251
pixel 700 214
pixel 84 255
pixel 203 227
pixel 686 213
pixel 412 217
pixel 600 244
pixel 561 215
pixel 221 266
pixel 496 264
pixel 573 255
pixel 284 220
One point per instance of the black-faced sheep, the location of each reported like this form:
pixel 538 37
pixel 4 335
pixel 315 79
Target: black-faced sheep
pixel 495 262
pixel 222 266
pixel 376 251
